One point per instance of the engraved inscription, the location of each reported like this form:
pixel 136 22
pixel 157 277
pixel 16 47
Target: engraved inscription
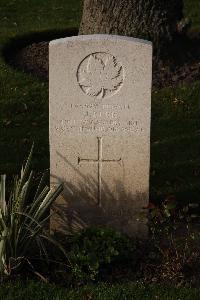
pixel 100 75
pixel 99 119
pixel 99 162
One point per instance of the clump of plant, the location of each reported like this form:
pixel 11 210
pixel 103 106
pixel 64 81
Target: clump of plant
pixel 95 249
pixel 23 217
pixel 177 240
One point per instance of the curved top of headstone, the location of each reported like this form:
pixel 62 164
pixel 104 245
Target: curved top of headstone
pixel 101 37
pixel 99 61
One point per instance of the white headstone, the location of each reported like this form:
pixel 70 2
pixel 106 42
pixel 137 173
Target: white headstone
pixel 100 104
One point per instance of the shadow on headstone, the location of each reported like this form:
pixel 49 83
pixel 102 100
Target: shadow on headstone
pixel 78 208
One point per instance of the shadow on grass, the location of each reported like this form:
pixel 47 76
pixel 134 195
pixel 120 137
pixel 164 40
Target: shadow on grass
pixel 14 46
pixel 20 42
pixel 184 48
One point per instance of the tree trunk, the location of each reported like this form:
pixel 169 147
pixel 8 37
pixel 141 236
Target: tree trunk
pixel 155 20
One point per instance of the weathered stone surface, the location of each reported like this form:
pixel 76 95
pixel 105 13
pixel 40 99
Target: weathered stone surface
pixel 100 100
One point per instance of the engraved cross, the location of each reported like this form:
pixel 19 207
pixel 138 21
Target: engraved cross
pixel 99 162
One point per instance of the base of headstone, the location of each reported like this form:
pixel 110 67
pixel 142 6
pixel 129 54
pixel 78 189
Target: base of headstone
pixel 71 216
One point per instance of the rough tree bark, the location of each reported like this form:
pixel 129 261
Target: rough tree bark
pixel 155 20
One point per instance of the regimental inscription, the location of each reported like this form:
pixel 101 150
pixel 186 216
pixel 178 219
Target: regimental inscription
pixel 99 162
pixel 100 75
pixel 99 119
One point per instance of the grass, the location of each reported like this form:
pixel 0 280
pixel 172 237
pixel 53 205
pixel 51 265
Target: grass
pixel 175 140
pixel 192 11
pixel 175 162
pixel 40 291
pixel 23 98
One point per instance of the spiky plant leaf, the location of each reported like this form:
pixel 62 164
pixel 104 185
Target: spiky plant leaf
pixel 3 193
pixel 22 219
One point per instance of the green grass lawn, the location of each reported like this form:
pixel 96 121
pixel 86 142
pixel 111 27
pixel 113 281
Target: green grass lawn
pixel 39 291
pixel 175 160
pixel 23 98
pixel 175 140
pixel 192 11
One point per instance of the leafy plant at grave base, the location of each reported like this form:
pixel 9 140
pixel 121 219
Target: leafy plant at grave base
pixel 176 239
pixel 23 217
pixel 96 248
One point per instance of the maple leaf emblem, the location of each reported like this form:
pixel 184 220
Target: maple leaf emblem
pixel 101 75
